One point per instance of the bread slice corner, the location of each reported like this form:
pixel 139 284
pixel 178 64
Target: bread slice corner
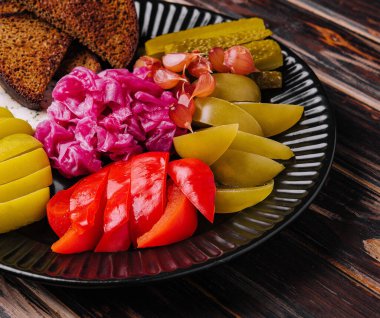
pixel 30 52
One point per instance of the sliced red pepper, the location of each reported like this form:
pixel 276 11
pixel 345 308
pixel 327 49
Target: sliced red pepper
pixel 148 191
pixel 87 203
pixel 58 211
pixel 178 222
pixel 196 181
pixel 116 213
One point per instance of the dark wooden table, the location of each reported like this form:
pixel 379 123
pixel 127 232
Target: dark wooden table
pixel 327 263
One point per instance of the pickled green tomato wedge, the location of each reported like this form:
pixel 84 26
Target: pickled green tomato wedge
pixel 230 200
pixel 236 88
pixel 261 146
pixel 214 112
pixel 207 144
pixel 243 169
pixel 273 118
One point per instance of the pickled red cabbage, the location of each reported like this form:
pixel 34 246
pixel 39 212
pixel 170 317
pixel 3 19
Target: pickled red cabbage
pixel 111 115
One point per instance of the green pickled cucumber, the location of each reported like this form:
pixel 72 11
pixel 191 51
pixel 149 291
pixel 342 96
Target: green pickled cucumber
pixel 203 45
pixel 267 79
pixel 266 54
pixel 157 44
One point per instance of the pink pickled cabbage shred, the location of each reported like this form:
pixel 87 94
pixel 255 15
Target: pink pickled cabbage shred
pixel 114 114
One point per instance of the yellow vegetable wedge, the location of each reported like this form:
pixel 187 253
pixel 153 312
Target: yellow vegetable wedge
pixel 17 144
pixel 10 126
pixel 261 146
pixel 234 88
pixel 244 169
pixel 23 165
pixel 23 186
pixel 214 111
pixel 157 44
pixel 229 200
pixel 207 144
pixel 24 210
pixel 273 118
pixel 4 112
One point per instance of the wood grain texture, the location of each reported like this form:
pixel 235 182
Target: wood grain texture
pixel 327 263
pixel 25 299
pixel 357 16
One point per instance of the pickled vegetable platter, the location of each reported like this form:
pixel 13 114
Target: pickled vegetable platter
pixel 311 140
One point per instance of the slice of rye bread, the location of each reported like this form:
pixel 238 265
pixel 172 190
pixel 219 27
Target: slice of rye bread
pixel 78 55
pixel 30 52
pixel 7 8
pixel 109 28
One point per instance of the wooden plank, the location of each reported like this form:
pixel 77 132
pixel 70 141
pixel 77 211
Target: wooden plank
pixel 282 278
pixel 174 298
pixel 358 135
pixel 341 58
pixel 357 16
pixel 307 283
pixel 20 299
pixel 347 211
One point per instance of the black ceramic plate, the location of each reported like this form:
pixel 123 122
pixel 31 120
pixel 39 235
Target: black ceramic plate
pixel 27 252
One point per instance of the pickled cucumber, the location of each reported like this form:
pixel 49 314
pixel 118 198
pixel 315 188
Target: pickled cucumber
pixel 243 169
pixel 205 44
pixel 267 79
pixel 157 44
pixel 234 87
pixel 266 54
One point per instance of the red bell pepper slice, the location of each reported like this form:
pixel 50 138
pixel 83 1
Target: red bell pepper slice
pixel 148 191
pixel 196 181
pixel 87 203
pixel 178 222
pixel 58 211
pixel 116 213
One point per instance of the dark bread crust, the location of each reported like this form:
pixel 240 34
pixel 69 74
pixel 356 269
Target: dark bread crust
pixel 30 53
pixel 109 28
pixel 78 55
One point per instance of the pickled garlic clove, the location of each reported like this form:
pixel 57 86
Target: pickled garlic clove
pixel 149 62
pixel 167 79
pixel 204 86
pixel 178 62
pixel 199 66
pixel 216 57
pixel 186 100
pixel 183 87
pixel 181 116
pixel 239 60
